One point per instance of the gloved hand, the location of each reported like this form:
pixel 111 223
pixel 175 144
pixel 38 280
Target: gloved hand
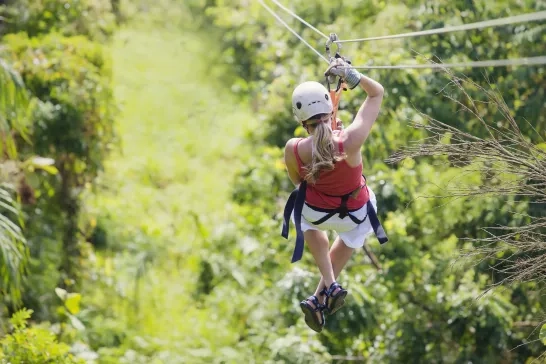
pixel 340 68
pixel 340 127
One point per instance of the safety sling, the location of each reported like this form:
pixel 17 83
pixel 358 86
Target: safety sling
pixel 295 203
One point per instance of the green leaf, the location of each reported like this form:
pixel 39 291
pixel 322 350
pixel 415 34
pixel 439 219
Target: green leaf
pixel 78 325
pixel 72 303
pixel 12 248
pixel 8 226
pixel 19 318
pixel 14 102
pixel 239 277
pixel 46 164
pixel 61 293
pixel 542 335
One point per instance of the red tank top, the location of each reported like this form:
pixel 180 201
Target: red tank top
pixel 341 180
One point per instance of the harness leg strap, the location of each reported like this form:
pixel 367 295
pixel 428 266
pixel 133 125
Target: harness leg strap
pixel 287 212
pixel 298 208
pixel 295 203
pixel 376 225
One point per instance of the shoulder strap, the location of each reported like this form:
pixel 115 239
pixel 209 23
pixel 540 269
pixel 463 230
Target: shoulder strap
pixel 298 159
pixel 340 143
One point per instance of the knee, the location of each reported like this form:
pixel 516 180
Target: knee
pixel 315 237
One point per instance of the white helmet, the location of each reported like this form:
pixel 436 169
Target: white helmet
pixel 309 99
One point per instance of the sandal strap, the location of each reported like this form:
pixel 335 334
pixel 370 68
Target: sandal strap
pixel 318 305
pixel 324 292
pixel 314 299
pixel 333 287
pixel 329 291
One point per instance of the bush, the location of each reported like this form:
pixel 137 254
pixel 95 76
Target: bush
pixel 92 18
pixel 71 78
pixel 34 345
pixel 73 124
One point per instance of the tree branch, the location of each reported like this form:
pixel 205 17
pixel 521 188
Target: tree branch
pixel 372 257
pixel 348 358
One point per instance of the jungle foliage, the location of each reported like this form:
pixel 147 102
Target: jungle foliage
pixel 142 185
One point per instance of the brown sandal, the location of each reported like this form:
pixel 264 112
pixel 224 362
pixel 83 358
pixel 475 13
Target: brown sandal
pixel 334 302
pixel 309 311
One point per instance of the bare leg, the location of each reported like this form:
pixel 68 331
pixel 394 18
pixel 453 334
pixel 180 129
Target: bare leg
pixel 339 255
pixel 319 246
pixel 330 262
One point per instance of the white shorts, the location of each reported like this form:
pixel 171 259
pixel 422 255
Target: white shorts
pixel 353 235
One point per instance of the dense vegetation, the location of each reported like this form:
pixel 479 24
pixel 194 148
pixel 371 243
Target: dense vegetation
pixel 142 183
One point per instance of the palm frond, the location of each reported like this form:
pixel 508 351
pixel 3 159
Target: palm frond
pixel 14 116
pixel 13 250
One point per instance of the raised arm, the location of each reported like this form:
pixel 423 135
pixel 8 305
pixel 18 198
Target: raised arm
pixel 358 131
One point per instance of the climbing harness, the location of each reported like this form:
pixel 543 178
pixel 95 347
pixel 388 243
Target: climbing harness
pixel 295 203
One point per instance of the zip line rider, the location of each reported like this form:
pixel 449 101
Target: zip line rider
pixel 331 192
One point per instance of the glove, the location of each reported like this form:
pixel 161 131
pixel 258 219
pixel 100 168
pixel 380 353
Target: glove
pixel 340 68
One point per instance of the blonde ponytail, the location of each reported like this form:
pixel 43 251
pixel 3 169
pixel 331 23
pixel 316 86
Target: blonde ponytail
pixel 323 152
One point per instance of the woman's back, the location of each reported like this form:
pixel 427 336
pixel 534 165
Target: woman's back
pixel 345 178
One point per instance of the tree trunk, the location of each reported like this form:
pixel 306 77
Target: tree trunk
pixel 69 268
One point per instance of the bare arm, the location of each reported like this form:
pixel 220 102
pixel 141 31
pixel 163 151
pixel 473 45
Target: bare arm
pixel 358 131
pixel 291 163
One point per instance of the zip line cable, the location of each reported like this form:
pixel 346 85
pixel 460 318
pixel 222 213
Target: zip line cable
pixel 539 15
pixel 529 61
pixel 292 30
pixel 299 18
pixel 540 60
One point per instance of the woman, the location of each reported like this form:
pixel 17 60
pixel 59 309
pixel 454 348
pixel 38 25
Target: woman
pixel 331 191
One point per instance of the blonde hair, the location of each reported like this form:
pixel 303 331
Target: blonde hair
pixel 323 150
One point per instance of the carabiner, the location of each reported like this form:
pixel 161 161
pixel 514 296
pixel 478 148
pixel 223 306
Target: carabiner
pixel 332 39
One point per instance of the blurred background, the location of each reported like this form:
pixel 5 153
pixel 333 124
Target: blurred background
pixel 142 183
